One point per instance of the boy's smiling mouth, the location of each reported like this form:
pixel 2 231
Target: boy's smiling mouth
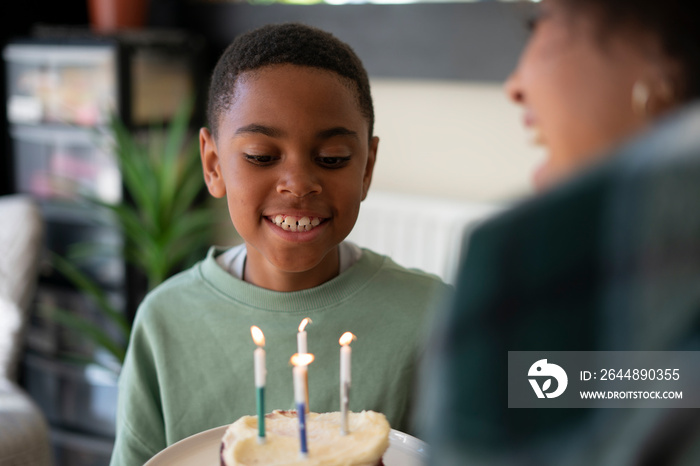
pixel 296 224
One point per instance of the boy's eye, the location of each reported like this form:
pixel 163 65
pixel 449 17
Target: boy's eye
pixel 259 159
pixel 333 162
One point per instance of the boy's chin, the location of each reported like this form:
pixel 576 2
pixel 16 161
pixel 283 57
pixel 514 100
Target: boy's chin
pixel 303 264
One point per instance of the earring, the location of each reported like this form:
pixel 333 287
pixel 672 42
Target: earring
pixel 640 98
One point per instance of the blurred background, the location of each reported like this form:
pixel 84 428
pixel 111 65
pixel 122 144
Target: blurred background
pixel 453 152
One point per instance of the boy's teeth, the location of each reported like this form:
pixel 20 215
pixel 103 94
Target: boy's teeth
pixel 290 223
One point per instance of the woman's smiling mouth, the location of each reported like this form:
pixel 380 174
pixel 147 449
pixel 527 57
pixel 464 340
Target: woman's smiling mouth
pixel 530 123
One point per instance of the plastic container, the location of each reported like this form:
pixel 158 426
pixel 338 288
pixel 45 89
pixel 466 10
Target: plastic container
pixel 62 84
pixel 71 396
pixel 74 449
pixel 64 163
pixel 46 336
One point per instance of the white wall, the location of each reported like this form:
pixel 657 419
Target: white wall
pixel 451 139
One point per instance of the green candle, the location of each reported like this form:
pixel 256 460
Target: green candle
pixel 260 375
pixel 260 392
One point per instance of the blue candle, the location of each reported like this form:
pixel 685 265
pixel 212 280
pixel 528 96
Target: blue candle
pixel 300 363
pixel 301 349
pixel 301 412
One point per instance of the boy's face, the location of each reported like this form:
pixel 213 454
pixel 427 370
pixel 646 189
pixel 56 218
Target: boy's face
pixel 294 159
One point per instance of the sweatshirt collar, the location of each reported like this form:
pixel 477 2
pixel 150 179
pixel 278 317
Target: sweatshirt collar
pixel 331 292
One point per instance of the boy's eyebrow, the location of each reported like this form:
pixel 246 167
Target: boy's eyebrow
pixel 336 131
pixel 262 129
pixel 276 133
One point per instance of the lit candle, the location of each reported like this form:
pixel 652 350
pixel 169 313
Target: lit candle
pixel 345 355
pixel 300 363
pixel 301 336
pixel 260 374
pixel 302 349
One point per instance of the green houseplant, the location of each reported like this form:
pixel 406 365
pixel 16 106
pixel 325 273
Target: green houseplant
pixel 164 226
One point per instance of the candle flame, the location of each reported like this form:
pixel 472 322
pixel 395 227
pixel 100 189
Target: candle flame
pixel 303 324
pixel 258 336
pixel 302 359
pixel 347 338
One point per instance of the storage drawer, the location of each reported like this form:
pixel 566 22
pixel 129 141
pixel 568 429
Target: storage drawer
pixel 106 266
pixel 83 398
pixel 44 335
pixel 64 163
pixel 71 449
pixel 73 85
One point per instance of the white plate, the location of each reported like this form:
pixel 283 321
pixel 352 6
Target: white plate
pixel 203 450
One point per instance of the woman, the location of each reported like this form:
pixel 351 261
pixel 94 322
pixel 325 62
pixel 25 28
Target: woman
pixel 606 260
pixel 596 72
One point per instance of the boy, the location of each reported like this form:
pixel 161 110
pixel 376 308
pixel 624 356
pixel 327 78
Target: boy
pixel 292 150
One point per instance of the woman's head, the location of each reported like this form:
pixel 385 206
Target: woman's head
pixel 596 71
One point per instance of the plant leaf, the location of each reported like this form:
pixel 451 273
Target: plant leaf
pixel 86 285
pixel 89 330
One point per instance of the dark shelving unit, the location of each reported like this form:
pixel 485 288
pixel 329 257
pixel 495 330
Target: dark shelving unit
pixel 63 84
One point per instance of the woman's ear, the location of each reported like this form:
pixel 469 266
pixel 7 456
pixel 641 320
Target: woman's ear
pixel 210 164
pixel 663 77
pixel 369 168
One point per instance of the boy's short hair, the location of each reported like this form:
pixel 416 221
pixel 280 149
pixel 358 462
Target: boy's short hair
pixel 288 43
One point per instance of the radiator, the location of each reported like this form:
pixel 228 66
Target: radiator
pixel 418 231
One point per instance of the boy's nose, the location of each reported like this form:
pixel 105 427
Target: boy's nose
pixel 299 180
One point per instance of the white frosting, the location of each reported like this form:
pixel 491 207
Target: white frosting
pixel 364 445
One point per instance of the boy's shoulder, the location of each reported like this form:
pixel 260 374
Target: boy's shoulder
pixel 178 283
pixel 407 294
pixel 406 275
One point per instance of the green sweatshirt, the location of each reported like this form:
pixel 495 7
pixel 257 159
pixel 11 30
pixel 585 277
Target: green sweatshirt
pixel 189 365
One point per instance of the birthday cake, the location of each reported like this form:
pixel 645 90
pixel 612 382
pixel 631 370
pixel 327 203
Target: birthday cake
pixel 364 445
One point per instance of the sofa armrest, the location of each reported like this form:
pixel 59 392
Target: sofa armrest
pixel 24 434
pixel 20 252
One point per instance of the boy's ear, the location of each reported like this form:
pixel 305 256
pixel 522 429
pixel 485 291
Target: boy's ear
pixel 369 168
pixel 210 164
